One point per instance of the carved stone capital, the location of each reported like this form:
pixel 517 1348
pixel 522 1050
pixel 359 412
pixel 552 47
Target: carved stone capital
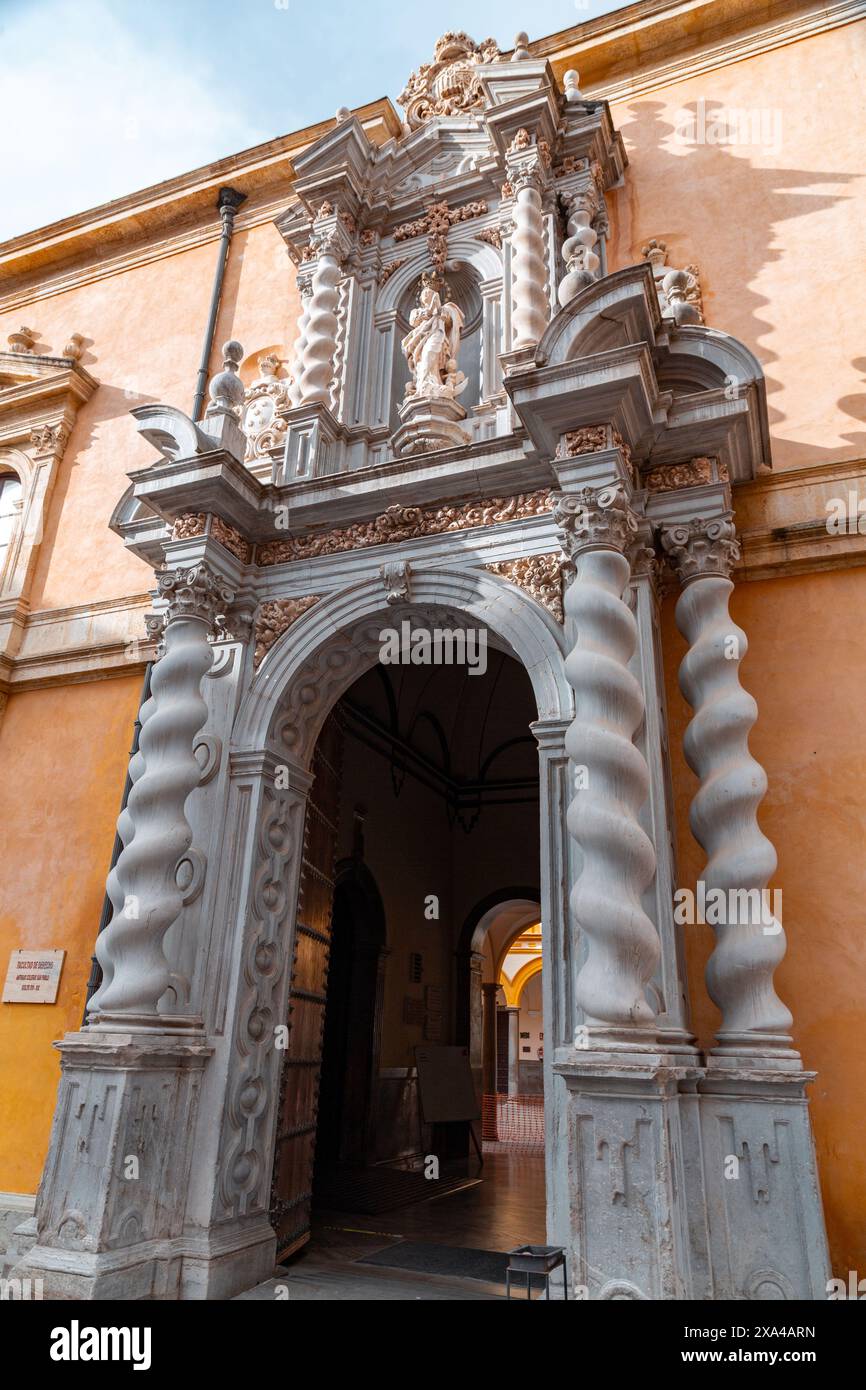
pixel 50 439
pixel 596 518
pixel 698 548
pixel 194 593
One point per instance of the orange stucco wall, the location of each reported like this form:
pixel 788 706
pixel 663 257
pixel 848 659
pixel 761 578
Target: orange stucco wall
pixel 778 235
pixel 63 754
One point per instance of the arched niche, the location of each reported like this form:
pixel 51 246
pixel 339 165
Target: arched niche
pixel 461 288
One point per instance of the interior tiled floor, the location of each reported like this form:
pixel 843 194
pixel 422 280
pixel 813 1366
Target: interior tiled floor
pixel 504 1210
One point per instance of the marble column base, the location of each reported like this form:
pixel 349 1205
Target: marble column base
pixel 631 1135
pixel 226 1260
pixel 111 1204
pixel 766 1222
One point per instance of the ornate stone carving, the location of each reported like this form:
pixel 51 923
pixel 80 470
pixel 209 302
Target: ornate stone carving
pixel 231 538
pixel 540 576
pixel 192 524
pixel 590 439
pixel 723 816
pixel 265 396
pixel 594 517
pixel 388 270
pixel 670 477
pixel 449 85
pixel 274 618
pixel 245 1167
pixel 436 222
pixel 679 291
pixel 400 523
pixel 189 525
pixel 492 235
pixel 395 576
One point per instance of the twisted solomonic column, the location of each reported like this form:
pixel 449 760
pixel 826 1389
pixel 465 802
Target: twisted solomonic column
pixel 531 308
pixel 153 827
pixel 320 343
pixel 305 289
pixel 750 942
pixel 611 775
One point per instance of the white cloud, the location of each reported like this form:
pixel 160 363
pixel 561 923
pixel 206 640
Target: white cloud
pixel 99 112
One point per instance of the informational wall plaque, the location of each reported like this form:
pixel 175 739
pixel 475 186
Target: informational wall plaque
pixel 33 977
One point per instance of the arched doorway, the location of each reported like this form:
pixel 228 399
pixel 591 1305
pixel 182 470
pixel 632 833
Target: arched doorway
pixel 447 766
pixel 304 677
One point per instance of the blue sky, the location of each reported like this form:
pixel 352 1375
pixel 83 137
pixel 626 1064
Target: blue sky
pixel 113 95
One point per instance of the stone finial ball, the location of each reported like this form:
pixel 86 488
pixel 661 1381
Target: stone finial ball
pixel 233 352
pixel 521 40
pixel 571 82
pixel 343 113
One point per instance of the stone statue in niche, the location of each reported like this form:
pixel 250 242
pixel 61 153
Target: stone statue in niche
pixel 431 346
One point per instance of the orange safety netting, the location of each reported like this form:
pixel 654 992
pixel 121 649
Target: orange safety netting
pixel 517 1121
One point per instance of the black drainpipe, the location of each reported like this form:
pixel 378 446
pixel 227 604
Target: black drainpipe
pixel 95 979
pixel 228 203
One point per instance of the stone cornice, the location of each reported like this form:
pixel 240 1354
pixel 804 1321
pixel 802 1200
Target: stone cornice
pixel 87 641
pixel 49 390
pixel 649 39
pixel 165 218
pixel 648 45
pixel 782 521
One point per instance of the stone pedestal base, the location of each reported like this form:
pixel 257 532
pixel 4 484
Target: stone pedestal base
pixel 630 1142
pixel 429 424
pixel 767 1235
pixel 111 1205
pixel 311 438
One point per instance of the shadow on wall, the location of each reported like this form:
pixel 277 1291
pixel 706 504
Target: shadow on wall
pixel 741 206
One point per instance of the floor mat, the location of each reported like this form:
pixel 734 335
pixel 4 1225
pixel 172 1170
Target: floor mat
pixel 371 1191
pixel 460 1262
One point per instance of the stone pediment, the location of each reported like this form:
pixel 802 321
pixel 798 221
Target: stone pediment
pixel 674 392
pixel 40 396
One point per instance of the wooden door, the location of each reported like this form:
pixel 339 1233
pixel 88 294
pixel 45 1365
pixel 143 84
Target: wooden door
pixel 291 1191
